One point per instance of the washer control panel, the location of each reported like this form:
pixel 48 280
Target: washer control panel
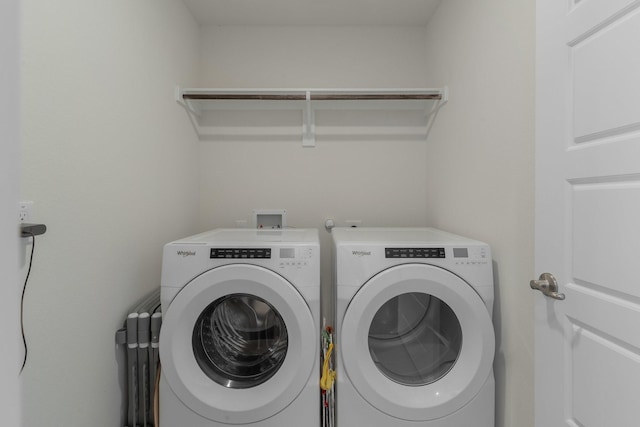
pixel 282 257
pixel 241 253
pixel 471 256
pixel 294 257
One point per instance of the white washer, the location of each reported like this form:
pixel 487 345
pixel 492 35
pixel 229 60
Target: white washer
pixel 415 339
pixel 239 343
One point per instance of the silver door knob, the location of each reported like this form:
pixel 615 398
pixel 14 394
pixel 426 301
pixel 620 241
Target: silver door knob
pixel 548 285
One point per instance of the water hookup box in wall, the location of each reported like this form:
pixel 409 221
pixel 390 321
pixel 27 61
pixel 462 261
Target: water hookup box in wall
pixel 270 219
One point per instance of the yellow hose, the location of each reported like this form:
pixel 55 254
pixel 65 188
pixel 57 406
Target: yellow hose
pixel 328 375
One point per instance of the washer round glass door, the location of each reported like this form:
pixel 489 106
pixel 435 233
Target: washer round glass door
pixel 417 342
pixel 238 344
pixel 240 341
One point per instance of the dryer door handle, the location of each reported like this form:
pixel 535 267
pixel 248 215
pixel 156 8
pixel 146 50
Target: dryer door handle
pixel 548 285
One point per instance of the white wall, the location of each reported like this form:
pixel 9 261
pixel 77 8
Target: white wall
pixel 380 182
pixel 312 57
pixel 10 408
pixel 480 166
pixel 111 163
pixel 113 167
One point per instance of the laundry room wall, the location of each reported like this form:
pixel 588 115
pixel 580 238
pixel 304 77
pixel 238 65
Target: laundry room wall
pixel 111 164
pixel 10 409
pixel 115 170
pixel 480 167
pixel 376 180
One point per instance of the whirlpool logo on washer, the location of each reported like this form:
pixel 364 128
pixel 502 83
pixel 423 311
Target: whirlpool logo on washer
pixel 185 254
pixel 361 253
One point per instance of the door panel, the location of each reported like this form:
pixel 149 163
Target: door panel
pixel 604 73
pixel 587 210
pixel 603 368
pixel 589 16
pixel 598 258
pixel 602 312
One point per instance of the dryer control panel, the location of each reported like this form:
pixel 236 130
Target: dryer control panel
pixel 414 253
pixel 460 255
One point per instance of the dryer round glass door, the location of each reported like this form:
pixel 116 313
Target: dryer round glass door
pixel 417 342
pixel 238 344
pixel 415 339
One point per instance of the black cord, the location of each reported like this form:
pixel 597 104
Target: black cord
pixel 24 289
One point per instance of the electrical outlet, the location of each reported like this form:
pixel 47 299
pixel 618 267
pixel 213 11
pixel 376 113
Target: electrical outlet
pixel 25 211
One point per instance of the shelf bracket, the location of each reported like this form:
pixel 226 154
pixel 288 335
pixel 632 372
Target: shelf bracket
pixel 309 127
pixel 444 98
pixel 185 103
pixel 431 115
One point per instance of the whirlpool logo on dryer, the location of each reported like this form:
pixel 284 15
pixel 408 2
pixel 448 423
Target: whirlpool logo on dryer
pixel 361 253
pixel 185 254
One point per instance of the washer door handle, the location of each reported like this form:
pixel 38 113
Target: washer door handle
pixel 548 285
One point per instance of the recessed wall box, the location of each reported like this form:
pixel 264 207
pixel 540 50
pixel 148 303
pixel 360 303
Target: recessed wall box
pixel 270 219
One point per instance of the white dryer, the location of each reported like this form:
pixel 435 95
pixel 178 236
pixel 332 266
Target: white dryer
pixel 239 343
pixel 415 339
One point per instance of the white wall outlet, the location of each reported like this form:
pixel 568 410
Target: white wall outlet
pixel 25 211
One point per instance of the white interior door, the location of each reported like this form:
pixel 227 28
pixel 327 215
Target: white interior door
pixel 588 212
